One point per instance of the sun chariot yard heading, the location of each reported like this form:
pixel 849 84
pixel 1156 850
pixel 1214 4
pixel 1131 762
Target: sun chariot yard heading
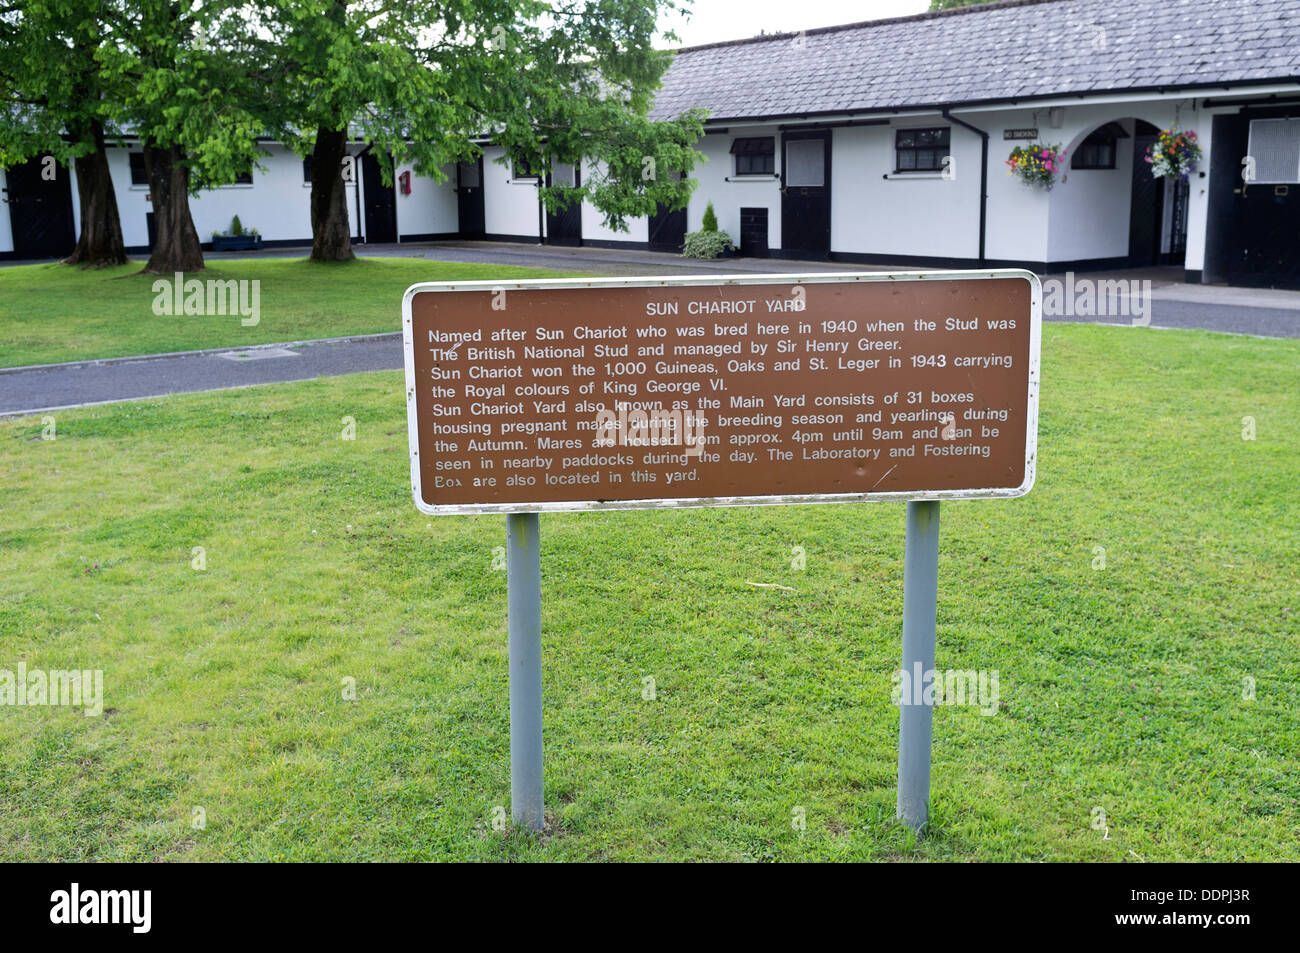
pixel 579 394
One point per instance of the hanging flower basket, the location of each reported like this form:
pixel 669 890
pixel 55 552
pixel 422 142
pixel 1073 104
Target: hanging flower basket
pixel 1036 164
pixel 1174 153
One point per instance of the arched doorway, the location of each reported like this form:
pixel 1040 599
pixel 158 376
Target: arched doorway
pixel 1157 209
pixel 1111 208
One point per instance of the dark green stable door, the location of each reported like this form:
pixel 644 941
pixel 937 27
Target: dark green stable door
pixel 806 195
pixel 40 210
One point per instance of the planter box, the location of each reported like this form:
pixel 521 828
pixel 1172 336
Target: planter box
pixel 236 242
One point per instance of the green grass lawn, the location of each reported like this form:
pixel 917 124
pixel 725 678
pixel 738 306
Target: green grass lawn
pixel 51 313
pixel 1122 687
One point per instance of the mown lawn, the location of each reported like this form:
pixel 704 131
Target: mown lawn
pixel 1122 687
pixel 51 313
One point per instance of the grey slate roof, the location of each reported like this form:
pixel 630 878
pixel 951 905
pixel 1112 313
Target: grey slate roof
pixel 1004 51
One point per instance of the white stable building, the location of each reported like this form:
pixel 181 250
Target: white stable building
pixel 882 142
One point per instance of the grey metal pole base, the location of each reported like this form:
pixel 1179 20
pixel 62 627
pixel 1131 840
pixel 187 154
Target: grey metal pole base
pixel 524 599
pixel 920 601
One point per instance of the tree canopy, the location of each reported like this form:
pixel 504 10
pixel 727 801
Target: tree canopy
pixel 204 84
pixel 553 83
pixel 55 101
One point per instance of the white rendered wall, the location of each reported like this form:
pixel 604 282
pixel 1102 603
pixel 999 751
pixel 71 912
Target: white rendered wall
pixel 594 228
pixel 431 208
pixel 277 204
pixel 875 211
pixel 509 204
pixel 593 220
pixel 729 197
pixel 1198 199
pixel 1090 208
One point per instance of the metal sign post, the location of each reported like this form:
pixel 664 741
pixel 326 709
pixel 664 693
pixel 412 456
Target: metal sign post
pixel 524 601
pixel 580 394
pixel 920 607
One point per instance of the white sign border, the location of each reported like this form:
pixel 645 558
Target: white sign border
pixel 1031 415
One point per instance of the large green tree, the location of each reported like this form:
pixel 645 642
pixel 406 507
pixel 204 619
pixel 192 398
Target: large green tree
pixel 187 97
pixel 426 83
pixel 54 101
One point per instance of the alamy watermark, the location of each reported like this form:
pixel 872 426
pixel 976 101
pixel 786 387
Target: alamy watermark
pixel 929 687
pixel 209 298
pixel 131 908
pixel 1100 297
pixel 629 426
pixel 67 688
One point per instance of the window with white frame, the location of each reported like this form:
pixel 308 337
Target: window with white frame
pixel 138 174
pixel 754 155
pixel 520 172
pixel 921 150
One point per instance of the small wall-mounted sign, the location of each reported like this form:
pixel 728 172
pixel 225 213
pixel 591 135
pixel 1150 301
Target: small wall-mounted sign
pixel 1020 134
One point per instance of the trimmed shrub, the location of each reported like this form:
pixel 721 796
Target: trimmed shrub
pixel 710 223
pixel 704 244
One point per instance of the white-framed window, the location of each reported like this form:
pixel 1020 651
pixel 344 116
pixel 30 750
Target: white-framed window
pixel 754 155
pixel 518 173
pixel 921 150
pixel 242 181
pixel 139 177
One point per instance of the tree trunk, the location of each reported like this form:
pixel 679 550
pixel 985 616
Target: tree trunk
pixel 176 244
pixel 330 240
pixel 100 243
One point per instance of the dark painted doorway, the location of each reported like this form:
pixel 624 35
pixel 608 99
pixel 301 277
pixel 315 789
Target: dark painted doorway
pixel 753 232
pixel 469 198
pixel 565 226
pixel 667 228
pixel 806 194
pixel 381 202
pixel 40 211
pixel 1146 206
pixel 1253 234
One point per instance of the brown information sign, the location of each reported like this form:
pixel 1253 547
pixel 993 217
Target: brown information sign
pixel 723 391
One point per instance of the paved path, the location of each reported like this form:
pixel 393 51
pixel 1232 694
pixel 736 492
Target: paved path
pixel 608 262
pixel 49 387
pixel 1174 304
